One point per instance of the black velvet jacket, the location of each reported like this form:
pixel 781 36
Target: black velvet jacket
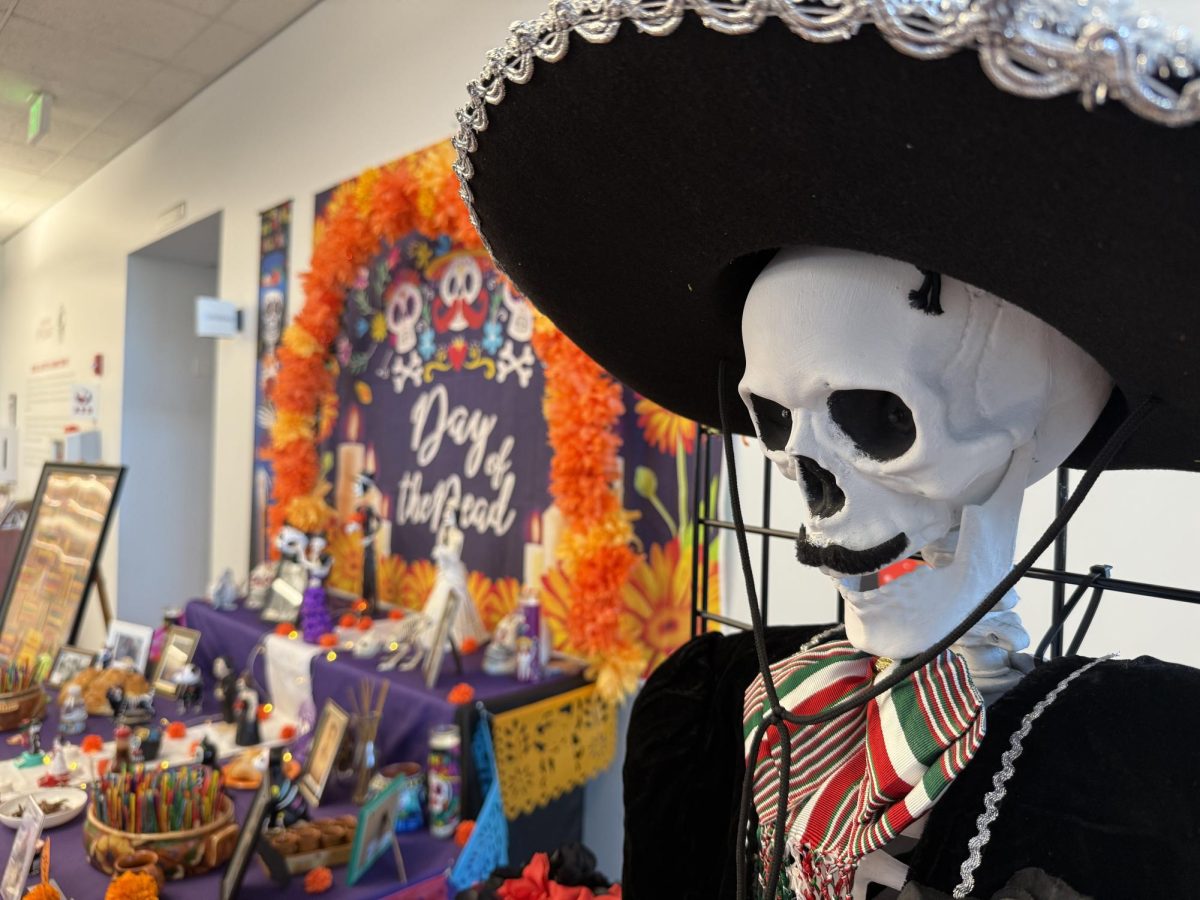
pixel 1105 796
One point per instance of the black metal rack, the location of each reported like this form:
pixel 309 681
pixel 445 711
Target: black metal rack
pixel 1099 578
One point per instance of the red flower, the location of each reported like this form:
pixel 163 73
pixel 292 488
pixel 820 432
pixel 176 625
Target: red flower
pixel 461 693
pixel 534 883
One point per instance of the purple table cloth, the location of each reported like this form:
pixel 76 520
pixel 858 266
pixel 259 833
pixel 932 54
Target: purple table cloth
pixel 426 858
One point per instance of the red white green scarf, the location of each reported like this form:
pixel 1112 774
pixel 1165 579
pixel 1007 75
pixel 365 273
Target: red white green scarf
pixel 859 780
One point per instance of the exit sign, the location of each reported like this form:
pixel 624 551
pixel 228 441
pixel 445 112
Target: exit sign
pixel 39 117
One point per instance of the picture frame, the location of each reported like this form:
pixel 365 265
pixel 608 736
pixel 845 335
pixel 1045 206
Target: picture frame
pixel 247 843
pixel 431 667
pixel 179 646
pixel 328 735
pixel 58 558
pixel 130 640
pixel 376 833
pixel 69 662
pixel 286 593
pixel 20 858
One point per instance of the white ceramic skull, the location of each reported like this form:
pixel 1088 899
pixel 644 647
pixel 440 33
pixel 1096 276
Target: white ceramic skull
pixel 520 314
pixel 909 430
pixel 404 303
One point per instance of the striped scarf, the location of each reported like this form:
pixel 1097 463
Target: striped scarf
pixel 860 779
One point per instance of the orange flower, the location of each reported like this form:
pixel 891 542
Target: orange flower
pixel 132 886
pixel 663 429
pixel 657 611
pixel 347 552
pixel 463 832
pixel 364 623
pixel 461 693
pixel 469 645
pixel 176 730
pixel 287 732
pixel 327 640
pixel 347 621
pixel 389 578
pixel 92 743
pixel 263 712
pixel 418 582
pixel 318 880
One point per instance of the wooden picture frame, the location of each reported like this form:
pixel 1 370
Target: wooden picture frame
pixel 68 662
pixel 328 735
pixel 247 843
pixel 58 558
pixel 431 668
pixel 129 639
pixel 20 857
pixel 178 648
pixel 376 834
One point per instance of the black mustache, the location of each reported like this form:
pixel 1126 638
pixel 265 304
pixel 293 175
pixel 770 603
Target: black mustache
pixel 848 561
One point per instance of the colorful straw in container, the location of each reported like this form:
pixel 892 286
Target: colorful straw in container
pixel 155 801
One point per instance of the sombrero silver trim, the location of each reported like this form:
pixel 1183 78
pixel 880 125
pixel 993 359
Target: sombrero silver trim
pixel 1033 48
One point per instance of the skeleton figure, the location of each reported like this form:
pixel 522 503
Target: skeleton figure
pixel 913 410
pixel 457 306
pixel 404 303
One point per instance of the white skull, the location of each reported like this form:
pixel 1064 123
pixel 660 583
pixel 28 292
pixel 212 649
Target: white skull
pixel 908 431
pixel 404 303
pixel 460 287
pixel 272 321
pixel 520 314
pixel 291 541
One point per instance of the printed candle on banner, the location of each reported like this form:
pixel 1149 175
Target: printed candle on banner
pixel 535 553
pixel 351 458
pixel 552 529
pixel 383 537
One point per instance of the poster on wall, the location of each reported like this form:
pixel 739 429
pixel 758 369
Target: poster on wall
pixel 440 399
pixel 274 235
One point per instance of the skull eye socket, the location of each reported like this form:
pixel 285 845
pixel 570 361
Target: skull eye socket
pixel 878 422
pixel 774 422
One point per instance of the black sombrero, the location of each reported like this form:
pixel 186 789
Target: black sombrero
pixel 631 163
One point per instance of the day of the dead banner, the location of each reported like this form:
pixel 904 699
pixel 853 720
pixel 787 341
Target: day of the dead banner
pixel 274 234
pixel 440 395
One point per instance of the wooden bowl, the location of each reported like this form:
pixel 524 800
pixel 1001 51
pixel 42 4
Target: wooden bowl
pixel 181 854
pixel 18 707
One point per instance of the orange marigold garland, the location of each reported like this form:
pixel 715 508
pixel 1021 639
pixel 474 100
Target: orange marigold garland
pixel 582 407
pixel 416 193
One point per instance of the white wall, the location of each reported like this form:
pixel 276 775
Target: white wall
pixel 353 83
pixel 167 422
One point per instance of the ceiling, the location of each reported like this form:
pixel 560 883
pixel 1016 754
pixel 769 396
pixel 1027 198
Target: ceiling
pixel 114 69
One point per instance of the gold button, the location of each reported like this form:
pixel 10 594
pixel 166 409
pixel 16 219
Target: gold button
pixel 881 663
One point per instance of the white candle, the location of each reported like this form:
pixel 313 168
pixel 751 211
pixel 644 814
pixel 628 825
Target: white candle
pixel 552 528
pixel 535 554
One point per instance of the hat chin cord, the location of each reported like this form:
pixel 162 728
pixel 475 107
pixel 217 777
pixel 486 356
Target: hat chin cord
pixel 897 673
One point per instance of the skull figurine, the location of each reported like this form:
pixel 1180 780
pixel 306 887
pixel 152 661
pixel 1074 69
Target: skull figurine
pixel 913 410
pixel 404 303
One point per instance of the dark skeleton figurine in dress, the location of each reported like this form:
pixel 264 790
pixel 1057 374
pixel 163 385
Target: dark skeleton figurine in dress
pixel 367 519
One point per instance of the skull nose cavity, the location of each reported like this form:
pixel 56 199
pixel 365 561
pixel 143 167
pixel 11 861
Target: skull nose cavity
pixel 820 488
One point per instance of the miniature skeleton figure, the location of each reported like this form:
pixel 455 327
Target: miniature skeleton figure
pixel 189 689
pixel 367 519
pixel 225 690
pixel 58 773
pixel 247 715
pixel 451 582
pixel 287 803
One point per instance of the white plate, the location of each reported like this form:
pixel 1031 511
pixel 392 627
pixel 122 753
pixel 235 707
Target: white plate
pixel 76 799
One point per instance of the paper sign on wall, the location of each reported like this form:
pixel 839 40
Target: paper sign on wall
pixel 85 402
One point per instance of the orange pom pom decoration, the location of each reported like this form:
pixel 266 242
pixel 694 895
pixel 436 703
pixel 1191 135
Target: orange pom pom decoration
pixel 287 732
pixel 463 832
pixel 132 886
pixel 327 640
pixel 469 645
pixel 461 693
pixel 347 621
pixel 318 880
pixel 92 743
pixel 283 629
pixel 365 623
pixel 176 730
pixel 395 614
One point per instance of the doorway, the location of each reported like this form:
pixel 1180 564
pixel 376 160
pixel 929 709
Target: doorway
pixel 167 424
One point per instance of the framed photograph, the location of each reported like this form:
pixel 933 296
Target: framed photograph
pixel 286 593
pixel 16 873
pixel 179 646
pixel 376 833
pixel 69 662
pixel 128 640
pixel 323 751
pixel 431 668
pixel 248 838
pixel 57 558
